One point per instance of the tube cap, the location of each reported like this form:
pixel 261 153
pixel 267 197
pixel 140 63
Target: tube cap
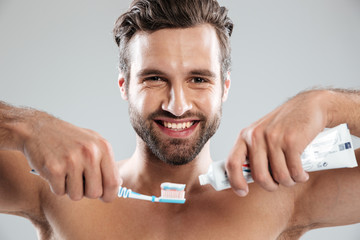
pixel 204 179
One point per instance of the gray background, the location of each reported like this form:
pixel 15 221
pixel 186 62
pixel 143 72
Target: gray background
pixel 59 56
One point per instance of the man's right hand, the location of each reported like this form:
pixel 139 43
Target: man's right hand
pixel 75 161
pixel 274 143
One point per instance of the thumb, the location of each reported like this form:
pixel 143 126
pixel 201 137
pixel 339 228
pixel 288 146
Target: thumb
pixel 234 168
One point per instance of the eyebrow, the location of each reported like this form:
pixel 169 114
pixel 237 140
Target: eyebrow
pixel 203 72
pixel 198 72
pixel 147 72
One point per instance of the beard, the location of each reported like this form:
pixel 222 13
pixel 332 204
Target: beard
pixel 175 151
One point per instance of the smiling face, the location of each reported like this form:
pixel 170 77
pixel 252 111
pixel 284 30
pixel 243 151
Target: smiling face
pixel 175 90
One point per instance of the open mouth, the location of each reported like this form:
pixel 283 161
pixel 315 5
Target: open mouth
pixel 176 126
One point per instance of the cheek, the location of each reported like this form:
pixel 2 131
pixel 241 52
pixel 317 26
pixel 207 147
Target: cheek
pixel 144 102
pixel 209 103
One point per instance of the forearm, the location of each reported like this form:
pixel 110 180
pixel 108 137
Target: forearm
pixel 13 126
pixel 345 108
pixel 13 165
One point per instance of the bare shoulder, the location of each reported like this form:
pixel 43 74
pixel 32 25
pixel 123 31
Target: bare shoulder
pixel 12 162
pixel 329 198
pixel 19 189
pixel 15 172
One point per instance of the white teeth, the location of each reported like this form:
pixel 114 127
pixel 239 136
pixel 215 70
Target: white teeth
pixel 178 126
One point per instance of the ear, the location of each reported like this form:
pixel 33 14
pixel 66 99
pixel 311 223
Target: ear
pixel 227 84
pixel 122 86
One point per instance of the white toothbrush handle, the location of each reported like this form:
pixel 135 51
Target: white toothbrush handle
pixel 128 193
pixel 136 195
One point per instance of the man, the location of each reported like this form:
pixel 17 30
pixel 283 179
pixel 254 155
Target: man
pixel 174 63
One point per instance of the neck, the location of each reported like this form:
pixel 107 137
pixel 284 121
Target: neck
pixel 144 172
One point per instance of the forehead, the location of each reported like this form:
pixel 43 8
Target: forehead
pixel 176 49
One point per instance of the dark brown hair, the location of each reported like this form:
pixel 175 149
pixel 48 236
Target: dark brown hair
pixel 152 15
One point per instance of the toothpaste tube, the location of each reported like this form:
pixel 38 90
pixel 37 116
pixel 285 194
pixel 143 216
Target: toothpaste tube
pixel 331 149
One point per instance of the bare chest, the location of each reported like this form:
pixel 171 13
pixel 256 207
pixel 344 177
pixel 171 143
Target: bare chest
pixel 132 219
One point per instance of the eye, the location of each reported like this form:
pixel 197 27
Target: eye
pixel 200 83
pixel 198 80
pixel 154 82
pixel 154 78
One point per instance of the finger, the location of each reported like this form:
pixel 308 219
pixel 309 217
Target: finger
pixel 57 186
pixel 259 162
pixel 75 183
pixel 92 154
pixel 93 182
pixel 233 168
pixel 110 177
pixel 294 165
pixel 279 169
pixel 55 175
pixel 278 166
pixel 260 170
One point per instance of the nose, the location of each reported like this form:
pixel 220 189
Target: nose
pixel 177 103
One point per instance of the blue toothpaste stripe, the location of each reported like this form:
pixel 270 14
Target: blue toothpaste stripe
pixel 174 188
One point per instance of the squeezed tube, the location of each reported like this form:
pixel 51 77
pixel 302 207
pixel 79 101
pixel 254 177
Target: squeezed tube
pixel 331 149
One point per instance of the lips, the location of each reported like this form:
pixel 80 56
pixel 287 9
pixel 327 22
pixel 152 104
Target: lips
pixel 178 128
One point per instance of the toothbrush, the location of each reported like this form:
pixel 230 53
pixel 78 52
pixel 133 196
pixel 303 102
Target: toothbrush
pixel 170 193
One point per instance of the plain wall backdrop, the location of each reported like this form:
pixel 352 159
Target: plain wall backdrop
pixel 59 57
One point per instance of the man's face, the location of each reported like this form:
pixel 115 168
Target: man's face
pixel 175 93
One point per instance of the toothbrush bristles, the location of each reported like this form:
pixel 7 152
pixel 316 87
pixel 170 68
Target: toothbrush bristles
pixel 173 190
pixel 172 194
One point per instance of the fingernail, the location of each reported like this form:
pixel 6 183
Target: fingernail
pixel 241 193
pixel 307 176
